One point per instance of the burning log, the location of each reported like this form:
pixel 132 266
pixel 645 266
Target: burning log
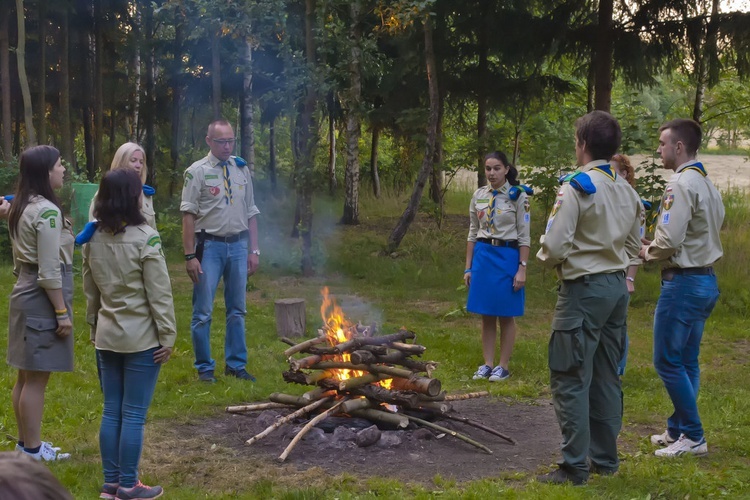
pixel 398 398
pixel 304 345
pixel 355 343
pixel 303 378
pixel 428 386
pixel 299 364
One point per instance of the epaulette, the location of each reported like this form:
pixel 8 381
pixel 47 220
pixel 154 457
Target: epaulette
pixel 9 197
pixel 239 161
pixel 646 204
pixel 148 190
pixel 87 233
pixel 515 191
pixel 580 182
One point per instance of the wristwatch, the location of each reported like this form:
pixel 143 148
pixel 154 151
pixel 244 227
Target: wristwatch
pixel 522 262
pixel 255 252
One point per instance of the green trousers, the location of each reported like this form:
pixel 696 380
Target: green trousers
pixel 587 342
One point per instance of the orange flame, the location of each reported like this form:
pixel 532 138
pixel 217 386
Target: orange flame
pixel 337 330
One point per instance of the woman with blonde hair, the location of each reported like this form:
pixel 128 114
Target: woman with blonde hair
pixel 132 155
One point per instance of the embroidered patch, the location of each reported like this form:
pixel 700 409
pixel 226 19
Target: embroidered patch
pixel 669 189
pixel 52 223
pixel 549 225
pixel 526 206
pixel 482 200
pixel 50 212
pixel 527 218
pixel 665 219
pixel 560 192
pixel 188 175
pixel 153 241
pixel 480 214
pixel 668 201
pixel 214 190
pixel 557 206
pixel 212 176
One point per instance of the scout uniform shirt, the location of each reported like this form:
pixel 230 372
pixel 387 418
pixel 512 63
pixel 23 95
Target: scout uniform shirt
pixel 689 220
pixel 204 195
pixel 593 233
pixel 43 239
pixel 147 209
pixel 507 220
pixel 128 292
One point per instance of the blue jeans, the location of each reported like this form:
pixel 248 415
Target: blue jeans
pixel 684 305
pixel 128 382
pixel 230 261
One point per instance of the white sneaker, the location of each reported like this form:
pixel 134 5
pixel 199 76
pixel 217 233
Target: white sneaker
pixel 48 453
pixel 684 446
pixel 662 439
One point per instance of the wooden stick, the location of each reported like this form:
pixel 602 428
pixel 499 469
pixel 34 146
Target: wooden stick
pixel 478 425
pixel 304 345
pixel 298 364
pixel 422 385
pixel 448 431
pixel 302 411
pixel 468 395
pixel 317 393
pixel 355 404
pixel 415 349
pixel 254 407
pixel 318 418
pixel 439 397
pixel 354 382
pixel 429 386
pixel 354 343
pixel 303 378
pixel 376 393
pixel 441 407
pixel 383 417
pixel 288 341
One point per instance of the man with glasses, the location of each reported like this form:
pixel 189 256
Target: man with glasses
pixel 220 238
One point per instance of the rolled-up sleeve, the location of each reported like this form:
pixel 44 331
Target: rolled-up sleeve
pixel 252 209
pixel 191 191
pixel 158 288
pixel 48 226
pixel 523 220
pixel 473 219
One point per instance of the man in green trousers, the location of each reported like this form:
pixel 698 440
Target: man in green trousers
pixel 592 236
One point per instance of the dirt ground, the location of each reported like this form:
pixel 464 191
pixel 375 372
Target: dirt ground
pixel 533 426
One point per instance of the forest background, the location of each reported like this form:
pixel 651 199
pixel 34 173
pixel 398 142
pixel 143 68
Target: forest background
pixel 355 118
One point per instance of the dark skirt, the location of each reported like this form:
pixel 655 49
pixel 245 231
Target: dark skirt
pixel 33 344
pixel 491 289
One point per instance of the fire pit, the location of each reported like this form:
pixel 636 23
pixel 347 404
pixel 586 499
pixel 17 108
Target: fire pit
pixel 359 374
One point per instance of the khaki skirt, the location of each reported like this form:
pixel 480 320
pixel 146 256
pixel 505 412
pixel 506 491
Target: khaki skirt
pixel 33 344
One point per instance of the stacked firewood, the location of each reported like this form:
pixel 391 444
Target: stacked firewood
pixel 370 377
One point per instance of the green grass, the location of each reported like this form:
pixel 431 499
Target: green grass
pixel 419 288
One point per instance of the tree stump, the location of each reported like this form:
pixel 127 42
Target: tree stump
pixel 291 320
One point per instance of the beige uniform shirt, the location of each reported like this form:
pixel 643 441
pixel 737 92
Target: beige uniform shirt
pixel 203 195
pixel 128 291
pixel 689 221
pixel 511 220
pixel 147 210
pixel 596 233
pixel 43 239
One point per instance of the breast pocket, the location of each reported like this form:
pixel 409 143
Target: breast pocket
pixel 483 213
pixel 239 183
pixel 213 187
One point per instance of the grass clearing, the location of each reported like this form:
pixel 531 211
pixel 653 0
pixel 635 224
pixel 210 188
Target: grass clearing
pixel 419 288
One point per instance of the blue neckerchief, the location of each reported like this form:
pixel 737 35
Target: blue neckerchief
pixel 495 192
pixel 580 181
pixel 606 170
pixel 86 234
pixel 646 204
pixel 9 197
pixel 240 161
pixel 515 191
pixel 698 166
pixel 148 190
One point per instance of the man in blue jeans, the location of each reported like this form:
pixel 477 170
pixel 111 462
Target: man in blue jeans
pixel 687 241
pixel 220 239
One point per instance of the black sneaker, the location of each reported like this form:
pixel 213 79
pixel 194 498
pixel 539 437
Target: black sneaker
pixel 241 374
pixel 139 492
pixel 560 476
pixel 207 376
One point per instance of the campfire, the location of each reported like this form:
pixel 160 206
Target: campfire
pixel 357 373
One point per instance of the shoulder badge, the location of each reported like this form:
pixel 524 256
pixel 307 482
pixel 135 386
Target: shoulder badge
pixel 154 240
pixel 50 212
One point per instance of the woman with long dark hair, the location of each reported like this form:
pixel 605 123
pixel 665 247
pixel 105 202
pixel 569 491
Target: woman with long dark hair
pixel 41 315
pixel 131 313
pixel 496 254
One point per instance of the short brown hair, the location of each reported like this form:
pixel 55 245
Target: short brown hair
pixel 687 131
pixel 23 478
pixel 601 133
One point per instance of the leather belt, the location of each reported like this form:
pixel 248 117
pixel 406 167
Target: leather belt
pixel 669 273
pixel 226 239
pixel 499 243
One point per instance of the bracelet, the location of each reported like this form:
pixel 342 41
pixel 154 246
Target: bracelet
pixel 62 317
pixel 189 256
pixel 630 279
pixel 467 271
pixel 61 312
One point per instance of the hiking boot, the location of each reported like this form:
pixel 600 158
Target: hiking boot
pixel 499 373
pixel 684 446
pixel 483 371
pixel 139 491
pixel 662 439
pixel 109 491
pixel 47 453
pixel 241 374
pixel 207 376
pixel 559 476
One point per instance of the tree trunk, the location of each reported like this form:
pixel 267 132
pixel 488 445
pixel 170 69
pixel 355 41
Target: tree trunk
pixel 99 87
pixel 331 143
pixel 135 106
pixel 437 178
pixel 85 77
pixel 604 50
pixel 353 126
pixel 176 84
pixel 66 134
pixel 22 78
pixel 702 63
pixel 591 82
pixel 374 162
pixel 272 153
pixel 248 111
pixel 398 233
pixel 216 72
pixel 150 94
pixel 7 120
pixel 482 104
pixel 42 136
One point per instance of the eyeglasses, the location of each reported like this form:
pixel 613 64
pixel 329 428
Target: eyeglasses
pixel 224 142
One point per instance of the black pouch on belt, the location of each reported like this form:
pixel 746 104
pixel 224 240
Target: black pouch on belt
pixel 199 246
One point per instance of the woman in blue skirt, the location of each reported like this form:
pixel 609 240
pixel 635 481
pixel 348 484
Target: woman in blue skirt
pixel 496 256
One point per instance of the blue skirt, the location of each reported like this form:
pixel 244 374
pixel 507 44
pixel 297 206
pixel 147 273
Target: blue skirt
pixel 491 289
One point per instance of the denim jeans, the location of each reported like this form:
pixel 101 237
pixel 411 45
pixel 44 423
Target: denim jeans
pixel 227 260
pixel 128 381
pixel 685 303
